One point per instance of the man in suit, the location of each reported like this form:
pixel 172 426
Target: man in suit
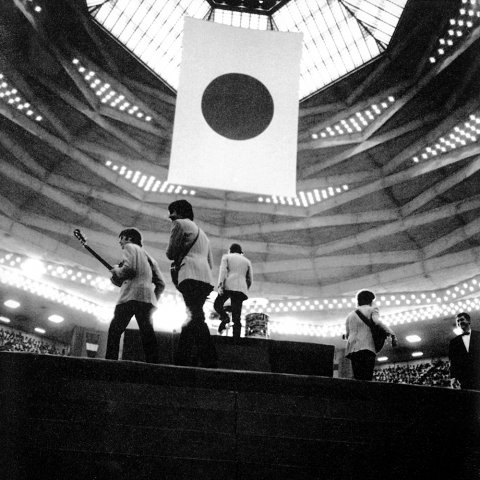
pixel 141 284
pixel 190 247
pixel 464 354
pixel 360 348
pixel 234 279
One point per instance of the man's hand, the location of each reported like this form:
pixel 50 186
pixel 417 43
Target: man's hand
pixel 115 279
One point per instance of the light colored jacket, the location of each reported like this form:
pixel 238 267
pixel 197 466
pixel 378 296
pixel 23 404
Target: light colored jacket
pixel 135 271
pixel 359 336
pixel 235 273
pixel 197 265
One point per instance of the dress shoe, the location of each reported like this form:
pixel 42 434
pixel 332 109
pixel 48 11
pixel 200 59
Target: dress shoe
pixel 222 326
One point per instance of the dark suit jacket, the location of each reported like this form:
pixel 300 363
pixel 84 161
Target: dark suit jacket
pixel 465 366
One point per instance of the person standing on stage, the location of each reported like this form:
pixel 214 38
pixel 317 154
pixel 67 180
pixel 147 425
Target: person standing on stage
pixel 360 345
pixel 234 279
pixel 190 245
pixel 464 354
pixel 141 286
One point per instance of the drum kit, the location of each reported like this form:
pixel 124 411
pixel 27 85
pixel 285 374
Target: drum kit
pixel 256 325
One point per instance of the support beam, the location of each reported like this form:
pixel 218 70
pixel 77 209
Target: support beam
pixel 459 235
pixel 364 146
pixel 398 226
pixel 398 178
pixel 442 186
pixel 338 261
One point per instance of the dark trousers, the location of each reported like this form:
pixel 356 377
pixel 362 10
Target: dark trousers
pixel 121 318
pixel 363 363
pixel 236 299
pixel 195 346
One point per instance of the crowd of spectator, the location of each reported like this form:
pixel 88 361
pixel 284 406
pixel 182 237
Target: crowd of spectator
pixel 435 374
pixel 15 341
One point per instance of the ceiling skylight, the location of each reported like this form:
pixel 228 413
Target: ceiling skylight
pixel 339 35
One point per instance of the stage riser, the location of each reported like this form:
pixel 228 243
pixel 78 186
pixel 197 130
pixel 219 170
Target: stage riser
pixel 84 419
pixel 251 354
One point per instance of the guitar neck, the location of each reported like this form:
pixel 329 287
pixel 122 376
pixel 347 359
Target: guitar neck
pixel 98 257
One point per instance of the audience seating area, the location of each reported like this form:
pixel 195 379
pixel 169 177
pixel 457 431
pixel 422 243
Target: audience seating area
pixel 434 374
pixel 15 341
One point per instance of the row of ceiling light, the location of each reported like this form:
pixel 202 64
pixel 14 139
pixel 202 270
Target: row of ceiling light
pixel 468 16
pixel 469 287
pixel 35 268
pixel 459 136
pixel 14 99
pixel 305 198
pixel 357 122
pixel 148 183
pixel 337 329
pixel 107 94
pixel 173 306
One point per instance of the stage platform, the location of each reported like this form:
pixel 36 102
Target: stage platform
pixel 75 418
pixel 247 353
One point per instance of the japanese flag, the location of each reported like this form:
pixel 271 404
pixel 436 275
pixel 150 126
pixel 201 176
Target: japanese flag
pixel 236 117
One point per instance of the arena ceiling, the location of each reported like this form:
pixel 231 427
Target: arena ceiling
pixel 388 190
pixel 339 36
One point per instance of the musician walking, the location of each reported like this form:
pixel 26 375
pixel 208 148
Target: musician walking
pixel 141 286
pixel 189 247
pixel 360 345
pixel 234 279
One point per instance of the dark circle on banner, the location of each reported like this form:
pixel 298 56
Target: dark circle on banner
pixel 237 106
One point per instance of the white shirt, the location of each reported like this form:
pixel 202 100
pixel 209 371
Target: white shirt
pixel 466 341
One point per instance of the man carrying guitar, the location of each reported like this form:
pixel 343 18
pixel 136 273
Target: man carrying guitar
pixel 141 284
pixel 361 350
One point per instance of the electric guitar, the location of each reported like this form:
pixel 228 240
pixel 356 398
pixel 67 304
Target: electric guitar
pixel 79 235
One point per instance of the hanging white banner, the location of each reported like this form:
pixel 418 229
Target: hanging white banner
pixel 236 116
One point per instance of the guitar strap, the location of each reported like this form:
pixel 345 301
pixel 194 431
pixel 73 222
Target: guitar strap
pixel 150 263
pixel 188 249
pixel 366 320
